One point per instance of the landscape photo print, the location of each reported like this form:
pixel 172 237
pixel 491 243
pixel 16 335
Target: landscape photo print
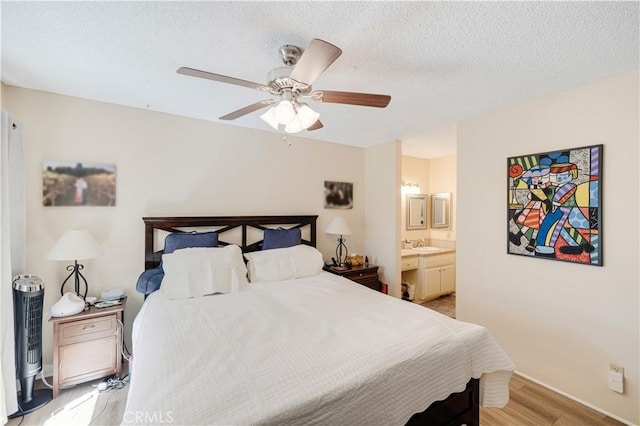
pixel 74 183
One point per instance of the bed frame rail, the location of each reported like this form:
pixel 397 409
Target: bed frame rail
pixel 458 409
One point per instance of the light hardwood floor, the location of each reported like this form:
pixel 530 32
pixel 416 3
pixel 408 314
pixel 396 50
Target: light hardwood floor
pixel 80 405
pixel 530 405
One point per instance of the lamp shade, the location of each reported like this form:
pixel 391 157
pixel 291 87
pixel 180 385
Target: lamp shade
pixel 270 119
pixel 291 114
pixel 75 244
pixel 294 125
pixel 307 116
pixel 284 112
pixel 338 226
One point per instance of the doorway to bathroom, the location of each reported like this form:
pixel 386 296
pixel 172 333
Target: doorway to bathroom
pixel 446 305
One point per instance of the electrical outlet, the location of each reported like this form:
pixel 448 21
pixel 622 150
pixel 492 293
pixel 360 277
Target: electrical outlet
pixel 616 369
pixel 616 378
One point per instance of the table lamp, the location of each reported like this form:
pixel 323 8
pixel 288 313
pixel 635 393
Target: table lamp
pixel 338 226
pixel 75 244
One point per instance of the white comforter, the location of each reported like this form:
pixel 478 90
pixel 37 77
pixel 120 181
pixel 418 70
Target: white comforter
pixel 319 350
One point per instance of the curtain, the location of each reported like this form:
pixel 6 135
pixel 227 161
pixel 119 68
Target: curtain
pixel 12 252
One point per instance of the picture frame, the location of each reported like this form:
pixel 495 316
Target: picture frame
pixel 554 205
pixel 78 183
pixel 338 195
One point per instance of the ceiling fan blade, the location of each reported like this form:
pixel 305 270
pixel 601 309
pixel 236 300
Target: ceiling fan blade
pixel 315 126
pixel 315 59
pixel 351 98
pixel 248 109
pixel 218 77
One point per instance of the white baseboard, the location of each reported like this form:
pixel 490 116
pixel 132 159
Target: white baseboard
pixel 47 370
pixel 578 400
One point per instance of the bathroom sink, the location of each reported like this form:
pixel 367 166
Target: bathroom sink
pixel 427 249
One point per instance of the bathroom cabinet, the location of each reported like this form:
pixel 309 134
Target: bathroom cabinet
pixel 436 274
pixel 437 281
pixel 409 263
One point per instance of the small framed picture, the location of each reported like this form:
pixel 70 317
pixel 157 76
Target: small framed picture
pixel 77 183
pixel 338 195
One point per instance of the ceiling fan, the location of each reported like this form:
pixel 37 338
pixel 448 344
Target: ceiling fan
pixel 290 83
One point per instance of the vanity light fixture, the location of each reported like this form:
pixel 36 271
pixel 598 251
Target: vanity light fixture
pixel 338 226
pixel 410 188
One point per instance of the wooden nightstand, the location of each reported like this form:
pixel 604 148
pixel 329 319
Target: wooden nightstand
pixel 86 346
pixel 365 275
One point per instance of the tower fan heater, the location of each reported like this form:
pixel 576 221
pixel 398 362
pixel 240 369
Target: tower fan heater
pixel 28 298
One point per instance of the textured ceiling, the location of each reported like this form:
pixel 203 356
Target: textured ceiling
pixel 441 62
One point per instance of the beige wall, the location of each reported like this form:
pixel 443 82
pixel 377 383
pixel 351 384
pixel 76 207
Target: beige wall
pixel 433 175
pixel 382 204
pixel 561 323
pixel 166 165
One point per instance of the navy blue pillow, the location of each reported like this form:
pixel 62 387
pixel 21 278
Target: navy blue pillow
pixel 180 240
pixel 150 280
pixel 281 238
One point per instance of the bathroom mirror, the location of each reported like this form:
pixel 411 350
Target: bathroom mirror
pixel 416 211
pixel 440 210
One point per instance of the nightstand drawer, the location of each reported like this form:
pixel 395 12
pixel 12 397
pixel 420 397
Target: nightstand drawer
pixel 93 328
pixel 371 282
pixel 362 275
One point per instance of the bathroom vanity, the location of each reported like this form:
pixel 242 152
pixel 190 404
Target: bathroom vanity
pixel 431 270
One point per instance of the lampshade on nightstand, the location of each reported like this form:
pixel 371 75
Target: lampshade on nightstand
pixel 74 245
pixel 338 226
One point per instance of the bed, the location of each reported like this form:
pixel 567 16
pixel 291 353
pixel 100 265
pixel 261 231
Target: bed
pixel 315 349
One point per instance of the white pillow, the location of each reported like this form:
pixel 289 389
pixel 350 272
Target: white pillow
pixel 269 265
pixel 284 264
pixel 306 260
pixel 198 271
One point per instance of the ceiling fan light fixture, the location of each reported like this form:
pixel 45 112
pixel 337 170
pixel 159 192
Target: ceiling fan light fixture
pixel 294 126
pixel 284 112
pixel 307 116
pixel 269 118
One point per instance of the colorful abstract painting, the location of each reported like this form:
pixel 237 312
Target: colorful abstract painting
pixel 555 205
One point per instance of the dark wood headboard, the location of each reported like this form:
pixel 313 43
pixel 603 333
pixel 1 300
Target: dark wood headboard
pixel 223 224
